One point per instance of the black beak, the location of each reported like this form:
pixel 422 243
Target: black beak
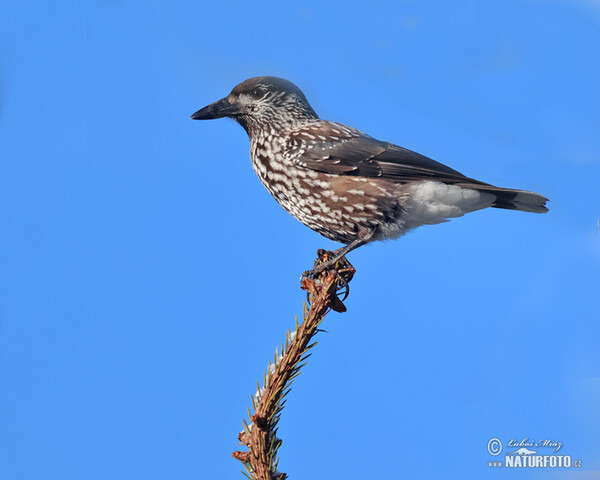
pixel 219 109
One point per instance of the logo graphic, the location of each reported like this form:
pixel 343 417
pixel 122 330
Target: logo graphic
pixel 494 446
pixel 526 457
pixel 523 451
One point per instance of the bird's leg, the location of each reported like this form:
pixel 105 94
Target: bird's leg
pixel 340 253
pixel 337 259
pixel 334 257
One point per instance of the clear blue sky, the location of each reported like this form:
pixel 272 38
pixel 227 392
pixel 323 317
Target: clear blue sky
pixel 147 276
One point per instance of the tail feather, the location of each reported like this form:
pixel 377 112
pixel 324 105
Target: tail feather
pixel 522 200
pixel 512 199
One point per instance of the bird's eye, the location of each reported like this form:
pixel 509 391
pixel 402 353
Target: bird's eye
pixel 257 92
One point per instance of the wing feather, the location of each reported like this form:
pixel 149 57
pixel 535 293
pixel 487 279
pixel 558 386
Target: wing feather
pixel 342 150
pixel 360 155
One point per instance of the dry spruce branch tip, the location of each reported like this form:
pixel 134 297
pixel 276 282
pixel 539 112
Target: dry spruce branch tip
pixel 259 434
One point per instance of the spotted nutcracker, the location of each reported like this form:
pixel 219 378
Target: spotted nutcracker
pixel 342 183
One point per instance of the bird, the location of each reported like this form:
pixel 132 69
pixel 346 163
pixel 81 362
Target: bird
pixel 342 183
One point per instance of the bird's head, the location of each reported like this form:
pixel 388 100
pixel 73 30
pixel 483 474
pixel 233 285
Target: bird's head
pixel 261 102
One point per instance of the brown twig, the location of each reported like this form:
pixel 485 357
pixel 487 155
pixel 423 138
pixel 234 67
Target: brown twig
pixel 259 436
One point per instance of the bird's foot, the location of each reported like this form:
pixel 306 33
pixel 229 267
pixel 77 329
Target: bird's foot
pixel 333 263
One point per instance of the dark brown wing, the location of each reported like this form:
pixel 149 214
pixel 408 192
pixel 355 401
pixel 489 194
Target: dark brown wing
pixel 358 154
pixel 339 150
